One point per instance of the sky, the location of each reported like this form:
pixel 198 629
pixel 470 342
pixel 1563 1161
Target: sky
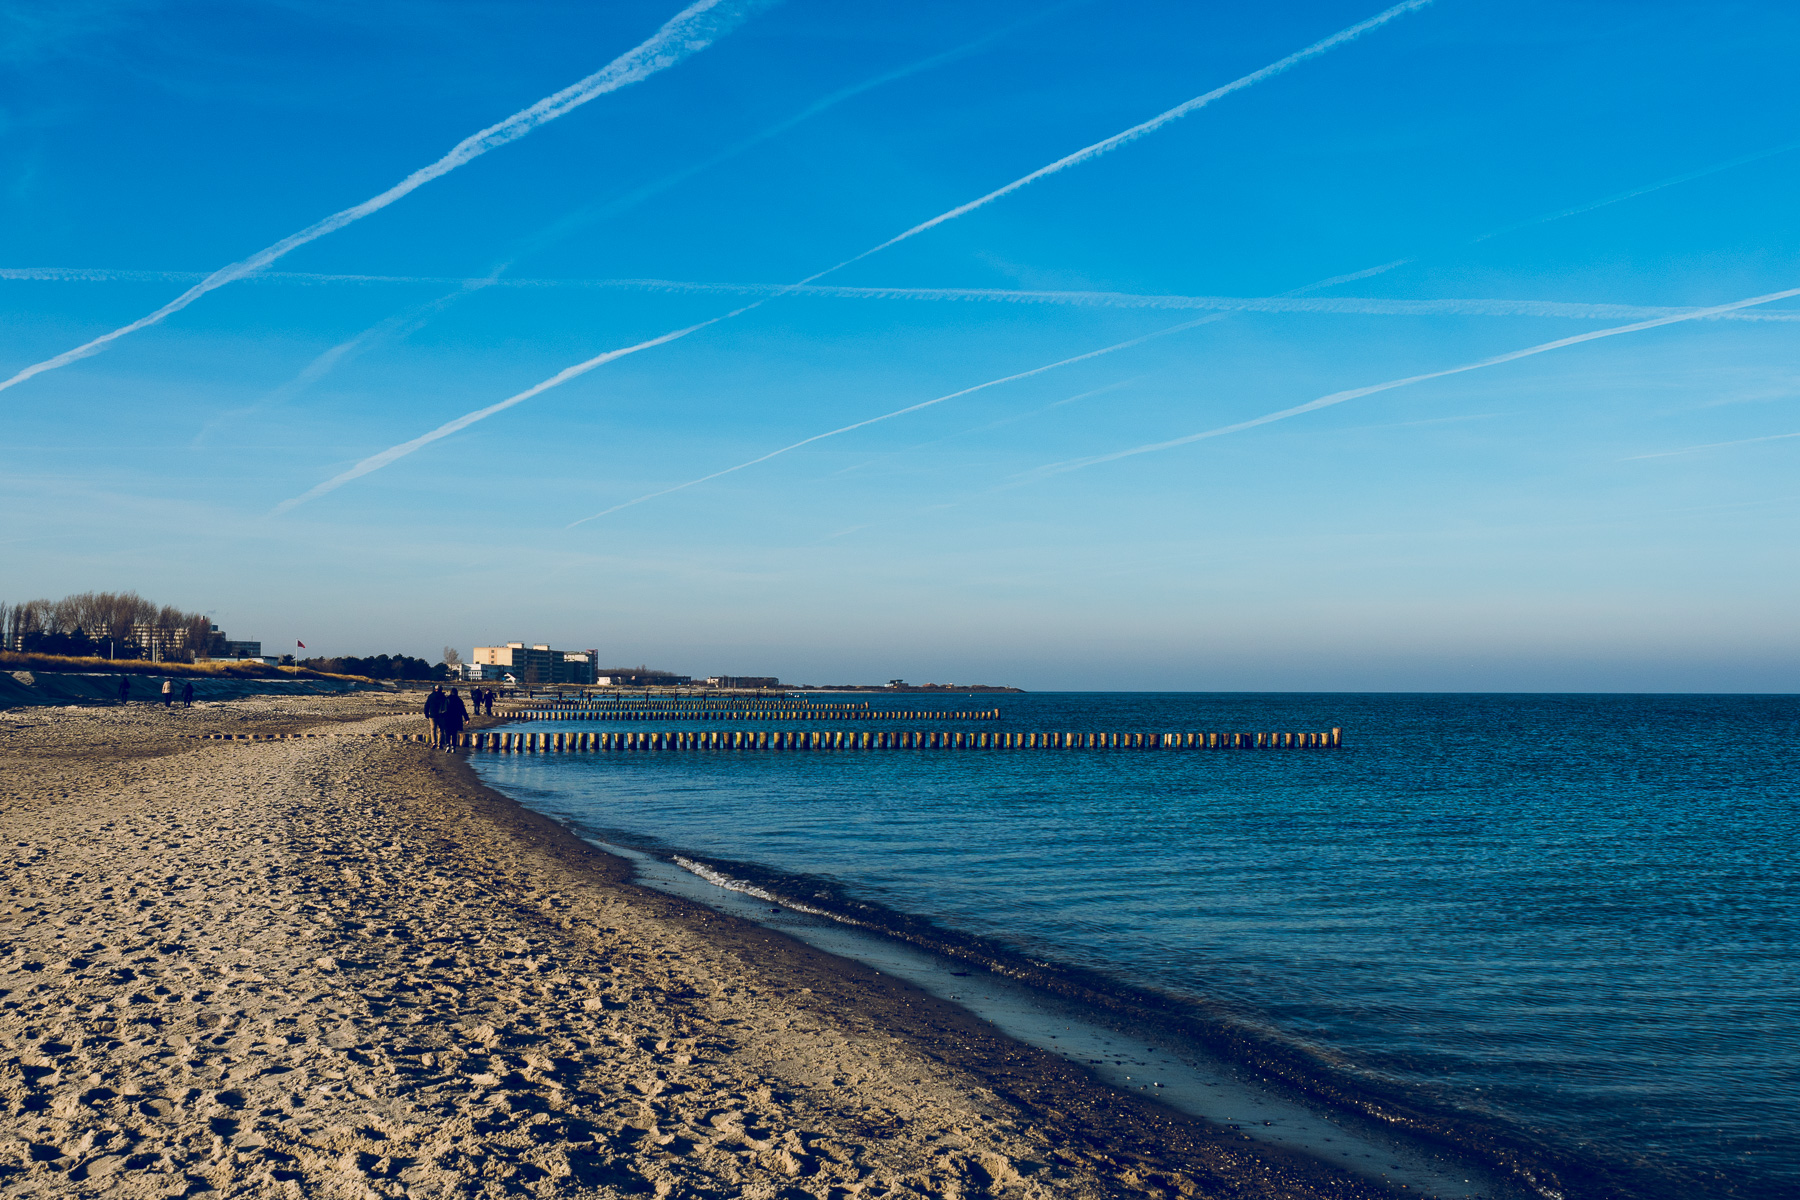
pixel 1457 183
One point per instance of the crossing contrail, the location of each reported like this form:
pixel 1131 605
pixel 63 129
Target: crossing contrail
pixel 415 317
pixel 1225 306
pixel 1773 437
pixel 1357 393
pixel 637 196
pixel 691 30
pixel 1098 148
pixel 898 412
pixel 1297 301
pixel 1292 301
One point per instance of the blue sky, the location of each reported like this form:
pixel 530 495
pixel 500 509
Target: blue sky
pixel 1612 515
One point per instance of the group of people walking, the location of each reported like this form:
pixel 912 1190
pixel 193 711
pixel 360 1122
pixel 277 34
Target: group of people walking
pixel 168 692
pixel 448 714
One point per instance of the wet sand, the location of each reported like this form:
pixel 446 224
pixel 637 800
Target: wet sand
pixel 340 966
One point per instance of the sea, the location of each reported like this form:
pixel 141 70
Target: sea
pixel 1561 929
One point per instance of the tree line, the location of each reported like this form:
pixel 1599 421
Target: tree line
pixel 381 666
pixel 84 624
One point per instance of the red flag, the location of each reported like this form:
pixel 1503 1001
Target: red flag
pixel 300 644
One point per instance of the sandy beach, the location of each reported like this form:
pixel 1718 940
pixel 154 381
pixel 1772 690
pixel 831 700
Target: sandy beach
pixel 340 966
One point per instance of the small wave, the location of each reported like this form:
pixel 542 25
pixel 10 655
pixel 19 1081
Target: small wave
pixel 720 879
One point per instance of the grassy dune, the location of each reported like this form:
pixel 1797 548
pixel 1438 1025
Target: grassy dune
pixel 15 661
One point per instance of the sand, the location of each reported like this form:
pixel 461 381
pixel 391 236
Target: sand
pixel 340 966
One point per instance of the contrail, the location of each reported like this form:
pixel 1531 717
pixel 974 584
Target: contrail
pixel 112 275
pixel 1645 190
pixel 1093 151
pixel 691 30
pixel 414 318
pixel 1357 393
pixel 1773 437
pixel 996 424
pixel 1225 306
pixel 1291 302
pixel 637 196
pixel 898 412
pixel 1296 301
pixel 1082 155
pixel 610 208
pixel 1150 126
pixel 377 461
pixel 400 324
pixel 1352 277
pixel 1560 214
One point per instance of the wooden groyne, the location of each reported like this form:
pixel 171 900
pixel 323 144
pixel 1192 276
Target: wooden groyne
pixel 506 742
pixel 773 714
pixel 691 704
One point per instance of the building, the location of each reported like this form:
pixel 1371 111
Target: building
pixel 743 681
pixel 536 665
pixel 164 644
pixel 175 644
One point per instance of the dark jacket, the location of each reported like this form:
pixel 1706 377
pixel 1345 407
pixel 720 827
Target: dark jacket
pixel 434 704
pixel 453 716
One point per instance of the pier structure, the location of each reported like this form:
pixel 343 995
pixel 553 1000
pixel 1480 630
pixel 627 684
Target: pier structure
pixel 734 714
pixel 507 742
pixel 604 702
pixel 679 704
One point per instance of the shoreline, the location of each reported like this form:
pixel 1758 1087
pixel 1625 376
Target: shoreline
pixel 348 962
pixel 1204 1031
pixel 1301 1074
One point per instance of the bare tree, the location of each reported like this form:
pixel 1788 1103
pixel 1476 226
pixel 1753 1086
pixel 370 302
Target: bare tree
pixel 199 634
pixel 31 617
pixel 451 657
pixel 125 617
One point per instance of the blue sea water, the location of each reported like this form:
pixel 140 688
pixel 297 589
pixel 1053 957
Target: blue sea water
pixel 1571 916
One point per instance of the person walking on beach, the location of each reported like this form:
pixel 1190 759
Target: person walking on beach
pixel 124 689
pixel 168 693
pixel 187 694
pixel 434 704
pixel 451 719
